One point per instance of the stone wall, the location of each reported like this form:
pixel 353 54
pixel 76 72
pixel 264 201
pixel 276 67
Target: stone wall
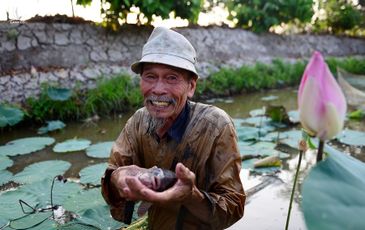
pixel 78 54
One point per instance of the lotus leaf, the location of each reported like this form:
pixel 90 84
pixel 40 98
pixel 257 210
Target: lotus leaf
pixel 248 133
pixel 292 138
pixel 352 137
pixel 84 200
pixel 269 98
pixel 5 176
pixel 5 162
pixel 42 189
pixel 257 121
pixel 9 204
pixel 51 126
pixel 100 150
pixel 71 145
pixel 10 115
pixel 41 170
pixel 294 116
pixel 92 174
pixel 59 94
pixel 40 221
pixel 257 112
pixel 100 218
pixel 333 193
pixel 263 149
pixel 25 145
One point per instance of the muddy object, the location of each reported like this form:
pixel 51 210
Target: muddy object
pixel 158 179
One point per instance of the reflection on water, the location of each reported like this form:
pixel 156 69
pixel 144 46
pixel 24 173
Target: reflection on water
pixel 265 209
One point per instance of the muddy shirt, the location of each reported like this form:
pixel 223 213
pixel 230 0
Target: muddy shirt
pixel 208 147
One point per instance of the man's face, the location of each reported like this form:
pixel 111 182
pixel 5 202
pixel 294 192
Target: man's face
pixel 165 89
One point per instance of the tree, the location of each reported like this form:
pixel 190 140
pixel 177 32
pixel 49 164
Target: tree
pixel 261 15
pixel 114 10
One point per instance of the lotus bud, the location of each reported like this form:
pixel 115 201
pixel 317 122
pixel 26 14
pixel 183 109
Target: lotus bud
pixel 321 102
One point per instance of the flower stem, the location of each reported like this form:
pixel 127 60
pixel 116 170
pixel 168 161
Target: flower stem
pixel 293 189
pixel 320 151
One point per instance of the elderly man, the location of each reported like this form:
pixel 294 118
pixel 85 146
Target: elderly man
pixel 196 141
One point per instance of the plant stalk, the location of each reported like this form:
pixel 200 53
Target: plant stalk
pixel 320 151
pixel 293 189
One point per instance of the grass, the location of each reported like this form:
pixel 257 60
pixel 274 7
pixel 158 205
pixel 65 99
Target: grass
pixel 118 94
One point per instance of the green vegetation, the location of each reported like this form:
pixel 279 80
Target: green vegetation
pixel 318 16
pixel 121 93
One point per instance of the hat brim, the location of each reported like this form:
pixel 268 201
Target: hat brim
pixel 165 59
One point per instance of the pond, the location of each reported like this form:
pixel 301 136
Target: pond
pixel 268 190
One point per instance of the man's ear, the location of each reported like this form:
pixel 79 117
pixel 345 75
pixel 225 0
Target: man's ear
pixel 192 87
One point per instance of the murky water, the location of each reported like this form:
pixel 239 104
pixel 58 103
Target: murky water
pixel 265 209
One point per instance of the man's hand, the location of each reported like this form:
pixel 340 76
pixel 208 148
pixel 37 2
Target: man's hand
pixel 180 192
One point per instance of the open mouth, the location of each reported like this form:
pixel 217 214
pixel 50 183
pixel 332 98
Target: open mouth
pixel 159 103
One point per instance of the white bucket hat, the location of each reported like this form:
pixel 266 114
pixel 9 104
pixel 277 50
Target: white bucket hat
pixel 165 46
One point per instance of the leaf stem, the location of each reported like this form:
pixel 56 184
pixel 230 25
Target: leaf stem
pixel 293 189
pixel 320 151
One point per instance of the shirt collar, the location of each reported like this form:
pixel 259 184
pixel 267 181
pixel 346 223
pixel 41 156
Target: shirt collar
pixel 178 128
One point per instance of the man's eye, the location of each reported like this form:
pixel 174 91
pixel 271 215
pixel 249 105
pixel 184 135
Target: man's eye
pixel 149 77
pixel 172 79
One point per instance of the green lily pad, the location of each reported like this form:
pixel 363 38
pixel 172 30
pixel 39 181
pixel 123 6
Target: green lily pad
pixel 40 221
pixel 333 193
pixel 41 170
pixel 71 145
pixel 92 174
pixel 10 115
pixel 84 200
pixel 25 145
pixel 5 176
pixel 352 137
pixel 5 162
pixel 9 204
pixel 269 98
pixel 257 112
pixel 247 133
pixel 100 218
pixel 257 121
pixel 263 149
pixel 59 94
pixel 294 116
pixel 42 189
pixel 51 126
pixel 100 150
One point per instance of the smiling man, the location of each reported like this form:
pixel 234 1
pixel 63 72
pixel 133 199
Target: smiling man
pixel 196 141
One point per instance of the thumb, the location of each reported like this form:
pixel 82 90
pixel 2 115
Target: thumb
pixel 184 174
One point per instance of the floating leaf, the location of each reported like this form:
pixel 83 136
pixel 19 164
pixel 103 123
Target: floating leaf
pixel 257 121
pixel 5 162
pixel 333 193
pixel 100 150
pixel 269 98
pixel 10 115
pixel 59 94
pixel 5 177
pixel 261 148
pixel 9 204
pixel 246 133
pixel 51 126
pixel 294 116
pixel 41 170
pixel 352 137
pixel 25 145
pixel 71 145
pixel 257 112
pixel 40 221
pixel 277 114
pixel 100 218
pixel 42 189
pixel 92 174
pixel 83 200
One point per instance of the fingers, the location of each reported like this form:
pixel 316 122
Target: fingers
pixel 184 174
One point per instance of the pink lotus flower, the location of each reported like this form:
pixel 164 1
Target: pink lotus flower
pixel 322 104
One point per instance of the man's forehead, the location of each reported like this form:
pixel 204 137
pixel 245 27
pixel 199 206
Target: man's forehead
pixel 151 66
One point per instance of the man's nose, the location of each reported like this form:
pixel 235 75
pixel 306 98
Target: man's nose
pixel 159 87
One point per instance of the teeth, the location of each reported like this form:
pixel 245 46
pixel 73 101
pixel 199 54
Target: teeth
pixel 160 103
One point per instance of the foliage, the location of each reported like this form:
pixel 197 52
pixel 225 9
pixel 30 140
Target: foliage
pixel 100 150
pixel 260 15
pixel 71 145
pixel 340 16
pixel 25 145
pixel 10 115
pixel 112 95
pixel 51 126
pixel 115 10
pixel 333 193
